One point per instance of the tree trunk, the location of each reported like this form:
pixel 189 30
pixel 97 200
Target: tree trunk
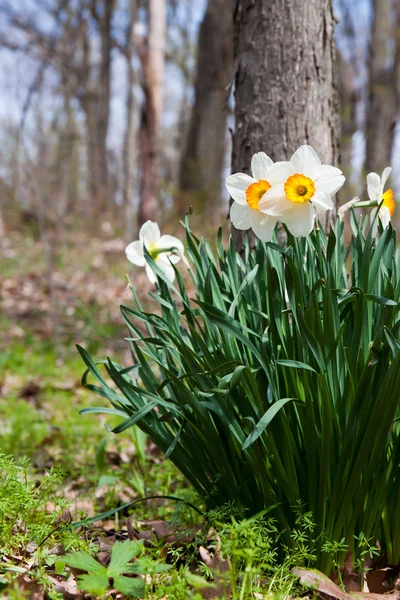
pixel 285 84
pixel 153 60
pixel 348 123
pixel 2 227
pixel 383 85
pixel 95 99
pixel 203 159
pixel 129 141
pixel 103 102
pixel 87 99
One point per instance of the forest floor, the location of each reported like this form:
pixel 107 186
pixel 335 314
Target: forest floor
pixel 57 466
pixel 60 469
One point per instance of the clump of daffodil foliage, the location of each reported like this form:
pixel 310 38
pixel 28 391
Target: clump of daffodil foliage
pixel 278 380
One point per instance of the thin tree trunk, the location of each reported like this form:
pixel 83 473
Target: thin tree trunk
pixel 150 135
pixel 87 101
pixel 129 141
pixel 285 84
pixel 348 123
pixel 2 227
pixel 103 103
pixel 203 158
pixel 383 85
pixel 95 99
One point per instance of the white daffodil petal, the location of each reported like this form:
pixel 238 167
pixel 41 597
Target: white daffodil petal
pixel 328 172
pixel 166 266
pixel 274 201
pixel 150 274
pixel 240 215
pixel 169 241
pixel 300 220
pixel 306 161
pixel 134 253
pixel 373 186
pixel 262 225
pixel 260 164
pixel 384 215
pixel 322 202
pixel 385 176
pixel 237 185
pixel 375 226
pixel 149 233
pixel 329 185
pixel 346 207
pixel 279 172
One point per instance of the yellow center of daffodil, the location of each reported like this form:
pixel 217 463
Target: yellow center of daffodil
pixel 299 188
pixel 388 201
pixel 255 192
pixel 152 250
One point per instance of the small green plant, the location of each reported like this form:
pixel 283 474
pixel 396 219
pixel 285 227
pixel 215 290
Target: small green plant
pixel 278 382
pixel 22 515
pixel 366 549
pixel 100 579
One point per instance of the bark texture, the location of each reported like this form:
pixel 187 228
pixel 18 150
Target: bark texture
pixel 203 158
pixel 285 84
pixel 383 84
pixel 153 60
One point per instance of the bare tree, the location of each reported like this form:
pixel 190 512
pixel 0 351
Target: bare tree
pixel 78 50
pixel 129 140
pixel 384 64
pixel 285 86
pixel 203 157
pixel 348 122
pixel 94 93
pixel 153 63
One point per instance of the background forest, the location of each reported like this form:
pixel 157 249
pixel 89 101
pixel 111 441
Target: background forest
pixel 123 108
pixel 114 112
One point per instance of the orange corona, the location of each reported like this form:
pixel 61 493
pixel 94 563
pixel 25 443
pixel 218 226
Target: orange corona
pixel 255 192
pixel 299 188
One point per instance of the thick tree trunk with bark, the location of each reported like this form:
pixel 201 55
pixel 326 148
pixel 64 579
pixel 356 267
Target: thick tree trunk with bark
pixel 285 84
pixel 383 85
pixel 153 61
pixel 203 158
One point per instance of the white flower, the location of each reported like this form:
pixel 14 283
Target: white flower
pixel 307 191
pixel 375 186
pixel 164 249
pixel 247 193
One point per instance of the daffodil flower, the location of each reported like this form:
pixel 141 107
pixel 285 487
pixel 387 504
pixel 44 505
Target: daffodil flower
pixel 248 192
pixel 375 187
pixel 164 249
pixel 306 192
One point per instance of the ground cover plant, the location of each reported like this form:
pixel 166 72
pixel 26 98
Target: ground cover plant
pixel 278 381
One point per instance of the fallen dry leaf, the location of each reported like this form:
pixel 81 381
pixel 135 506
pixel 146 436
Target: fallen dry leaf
pixel 315 580
pixel 160 530
pixel 218 566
